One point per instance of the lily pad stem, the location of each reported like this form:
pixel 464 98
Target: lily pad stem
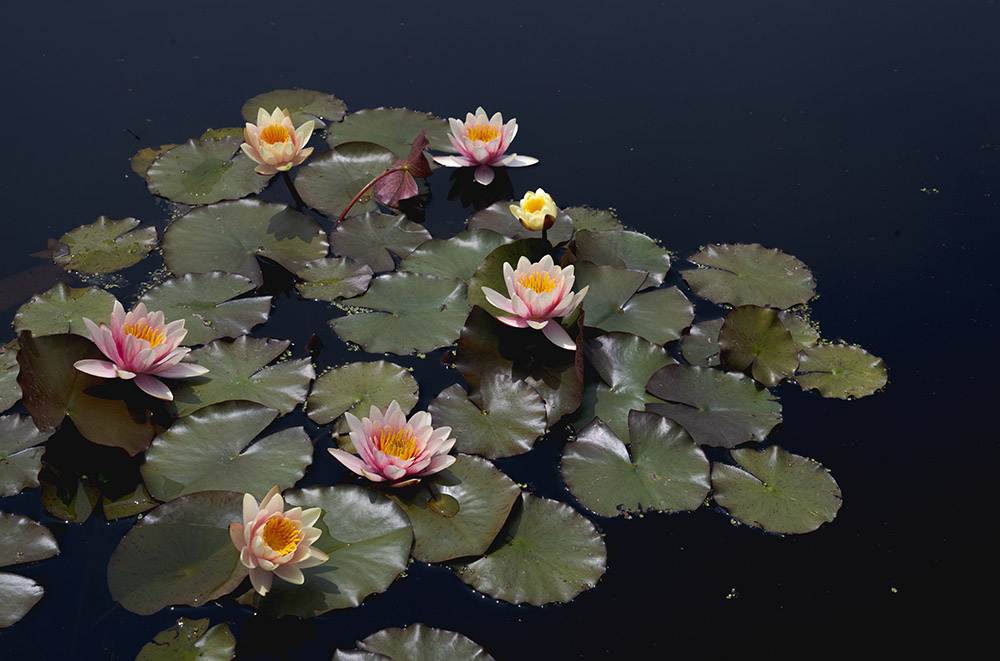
pixel 365 190
pixel 291 189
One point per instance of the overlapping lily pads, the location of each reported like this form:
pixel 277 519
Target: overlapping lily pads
pixel 231 235
pixel 776 490
pixel 302 105
pixel 374 238
pixel 359 386
pixel 490 271
pixel 106 245
pixel 417 642
pixel 662 469
pixel 190 640
pixel 626 250
pixel 208 305
pixel 458 257
pixel 20 454
pixel 498 218
pixel 546 553
pixel 204 172
pixel 333 278
pixel 750 274
pixel 62 310
pixel 700 345
pixel 210 450
pixel 392 128
pixel 754 337
pixel 840 370
pixel 330 181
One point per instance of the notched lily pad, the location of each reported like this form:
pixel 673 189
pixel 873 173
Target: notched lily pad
pixel 190 639
pixel 841 371
pixel 458 257
pixel 754 337
pixel 392 128
pixel 419 642
pixel 204 172
pixel 585 218
pixel 374 238
pixel 750 274
pixel 626 250
pixel 106 245
pixel 62 309
pixel 357 387
pixel 330 181
pixel 776 490
pixel 333 278
pixel 700 345
pixel 302 105
pixel 20 454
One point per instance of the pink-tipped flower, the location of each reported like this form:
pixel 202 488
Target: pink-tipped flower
pixel 140 347
pixel 539 292
pixel 482 142
pixel 394 449
pixel 275 143
pixel 272 541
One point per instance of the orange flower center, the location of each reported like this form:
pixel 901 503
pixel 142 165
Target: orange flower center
pixel 273 133
pixel 539 282
pixel 534 204
pixel 281 535
pixel 484 132
pixel 142 330
pixel 399 442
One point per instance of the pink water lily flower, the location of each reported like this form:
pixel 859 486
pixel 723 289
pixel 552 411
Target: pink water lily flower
pixel 272 541
pixel 394 449
pixel 275 143
pixel 482 142
pixel 140 347
pixel 538 292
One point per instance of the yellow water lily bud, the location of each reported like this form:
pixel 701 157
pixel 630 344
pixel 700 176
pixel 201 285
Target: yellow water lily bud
pixel 537 210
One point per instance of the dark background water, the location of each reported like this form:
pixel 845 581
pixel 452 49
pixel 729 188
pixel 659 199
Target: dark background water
pixel 807 126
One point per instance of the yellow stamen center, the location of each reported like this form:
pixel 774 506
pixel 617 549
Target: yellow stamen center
pixel 484 132
pixel 399 442
pixel 539 282
pixel 273 133
pixel 281 535
pixel 533 205
pixel 144 331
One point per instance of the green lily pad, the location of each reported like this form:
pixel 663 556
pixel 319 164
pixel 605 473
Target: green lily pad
pixel 129 504
pixel 18 595
pixel 841 371
pixel 413 313
pixel 368 540
pixel 498 218
pixel 359 386
pixel 144 158
pixel 458 257
pixel 612 304
pixel 394 129
pixel 231 235
pixel 330 181
pixel 488 346
pixel 302 105
pixel 484 496
pixel 190 640
pixel 333 278
pixel 210 450
pixel 62 309
pixel 700 345
pixel 369 239
pixel 754 337
pixel 776 490
pixel 105 411
pixel 225 132
pixel 490 272
pixel 626 250
pixel 204 172
pixel 720 409
pixel 10 392
pixel 804 333
pixel 419 642
pixel 20 454
pixel 24 540
pixel 179 553
pixel 207 304
pixel 585 218
pixel 236 370
pixel 507 419
pixel 625 363
pixel 106 245
pixel 666 471
pixel 741 274
pixel 546 553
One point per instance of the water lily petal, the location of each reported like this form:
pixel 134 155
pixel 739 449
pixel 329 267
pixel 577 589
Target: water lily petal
pixel 558 336
pixel 153 386
pixel 182 371
pixel 101 368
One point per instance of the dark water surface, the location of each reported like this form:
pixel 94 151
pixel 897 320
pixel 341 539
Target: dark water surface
pixel 807 126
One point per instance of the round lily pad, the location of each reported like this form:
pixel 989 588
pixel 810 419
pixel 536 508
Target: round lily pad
pixel 627 250
pixel 106 246
pixel 741 274
pixel 190 640
pixel 507 420
pixel 700 345
pixel 546 553
pixel 585 218
pixel 24 540
pixel 458 257
pixel 204 172
pixel 498 218
pixel 211 450
pixel 359 386
pixel 393 128
pixel 368 540
pixel 721 409
pixel 229 236
pixel 330 181
pixel 754 337
pixel 776 490
pixel 62 309
pixel 841 371
pixel 419 642
pixel 18 595
pixel 10 392
pixel 20 454
pixel 208 305
pixel 179 553
pixel 370 238
pixel 302 105
pixel 238 370
pixel 333 278
pixel 484 497
pixel 412 313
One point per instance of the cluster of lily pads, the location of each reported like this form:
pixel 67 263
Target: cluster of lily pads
pixel 634 382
